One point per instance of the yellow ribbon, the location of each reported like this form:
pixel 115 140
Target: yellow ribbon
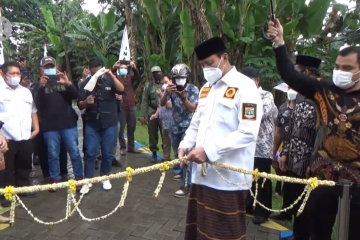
pixel 313 183
pixel 256 174
pixel 130 173
pixel 72 186
pixel 9 193
pixel 164 167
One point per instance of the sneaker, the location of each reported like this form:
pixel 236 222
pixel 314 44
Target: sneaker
pixel 123 152
pixel 183 192
pixel 154 157
pixel 106 185
pixel 133 151
pixel 86 189
pixel 177 177
pixel 116 163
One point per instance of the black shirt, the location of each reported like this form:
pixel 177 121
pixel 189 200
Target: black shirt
pixel 337 146
pixel 104 112
pixel 54 104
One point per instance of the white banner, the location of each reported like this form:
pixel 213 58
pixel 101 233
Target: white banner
pixel 125 48
pixel 45 50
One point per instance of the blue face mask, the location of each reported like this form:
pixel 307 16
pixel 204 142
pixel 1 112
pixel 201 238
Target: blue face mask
pixel 50 71
pixel 123 72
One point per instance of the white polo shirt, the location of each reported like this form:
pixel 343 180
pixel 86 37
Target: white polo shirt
pixel 16 107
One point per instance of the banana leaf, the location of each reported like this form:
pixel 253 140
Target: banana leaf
pixel 153 12
pixel 187 33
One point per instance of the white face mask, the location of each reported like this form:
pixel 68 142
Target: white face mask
pixel 213 74
pixel 343 79
pixel 180 81
pixel 13 81
pixel 164 86
pixel 291 94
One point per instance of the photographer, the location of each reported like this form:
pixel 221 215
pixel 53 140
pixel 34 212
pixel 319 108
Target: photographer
pixel 58 118
pixel 101 119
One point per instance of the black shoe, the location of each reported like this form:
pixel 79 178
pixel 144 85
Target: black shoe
pixel 281 217
pixel 96 165
pixel 64 178
pixel 259 220
pixel 28 195
pixel 133 151
pixel 116 163
pixel 5 203
pixel 154 157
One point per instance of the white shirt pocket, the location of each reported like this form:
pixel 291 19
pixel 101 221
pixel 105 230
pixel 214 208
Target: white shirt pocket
pixel 225 110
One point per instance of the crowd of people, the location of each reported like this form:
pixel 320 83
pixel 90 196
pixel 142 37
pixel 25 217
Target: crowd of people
pixel 231 120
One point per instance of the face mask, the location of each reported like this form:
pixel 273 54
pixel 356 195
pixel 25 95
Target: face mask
pixel 180 84
pixel 343 79
pixel 123 72
pixel 291 94
pixel 14 81
pixel 213 74
pixel 50 71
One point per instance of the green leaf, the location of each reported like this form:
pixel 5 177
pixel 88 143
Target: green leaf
pixel 290 26
pixel 100 55
pixel 228 31
pixel 249 25
pixel 171 48
pixel 315 14
pixel 214 6
pixel 111 61
pixel 153 12
pixel 62 54
pixel 187 33
pixel 110 18
pixel 246 40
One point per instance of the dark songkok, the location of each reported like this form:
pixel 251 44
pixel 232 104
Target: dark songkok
pixel 308 61
pixel 250 72
pixel 212 46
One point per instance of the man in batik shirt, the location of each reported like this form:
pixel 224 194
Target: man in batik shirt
pixel 264 148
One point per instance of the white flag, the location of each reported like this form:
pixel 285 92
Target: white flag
pixel 125 48
pixel 45 50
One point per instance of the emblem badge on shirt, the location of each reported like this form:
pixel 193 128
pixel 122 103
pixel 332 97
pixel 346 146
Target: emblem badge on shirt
pixel 249 111
pixel 205 92
pixel 230 93
pixel 107 88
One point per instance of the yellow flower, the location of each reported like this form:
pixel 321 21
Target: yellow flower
pixel 313 183
pixel 256 174
pixel 336 121
pixel 348 125
pixel 164 167
pixel 72 186
pixel 130 173
pixel 9 193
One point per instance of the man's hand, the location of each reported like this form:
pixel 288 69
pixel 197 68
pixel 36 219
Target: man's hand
pixel 143 121
pixel 43 80
pixel 3 145
pixel 34 134
pixel 283 163
pixel 154 116
pixel 132 65
pixel 90 100
pixel 181 95
pixel 118 97
pixel 64 79
pixel 277 32
pixel 116 65
pixel 197 155
pixel 181 154
pixel 171 88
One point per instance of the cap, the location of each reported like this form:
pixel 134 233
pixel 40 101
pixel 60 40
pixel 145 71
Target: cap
pixel 250 72
pixel 308 61
pixel 155 69
pixel 47 60
pixel 210 47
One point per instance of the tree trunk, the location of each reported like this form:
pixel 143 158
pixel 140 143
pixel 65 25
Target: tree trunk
pixel 62 33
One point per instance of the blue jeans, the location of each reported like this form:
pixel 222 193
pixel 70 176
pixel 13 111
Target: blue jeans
pixel 53 140
pixel 175 141
pixel 107 138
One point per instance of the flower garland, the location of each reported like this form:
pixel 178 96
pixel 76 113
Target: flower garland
pixel 10 193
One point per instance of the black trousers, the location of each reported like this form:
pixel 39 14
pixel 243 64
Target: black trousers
pixel 322 208
pixel 128 117
pixel 265 193
pixel 43 157
pixel 153 129
pixel 18 163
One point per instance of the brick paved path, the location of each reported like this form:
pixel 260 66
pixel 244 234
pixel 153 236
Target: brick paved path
pixel 141 218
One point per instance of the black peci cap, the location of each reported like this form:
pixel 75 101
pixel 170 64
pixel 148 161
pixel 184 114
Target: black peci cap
pixel 308 61
pixel 210 47
pixel 250 72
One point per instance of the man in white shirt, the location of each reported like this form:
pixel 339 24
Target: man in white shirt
pixel 223 129
pixel 19 114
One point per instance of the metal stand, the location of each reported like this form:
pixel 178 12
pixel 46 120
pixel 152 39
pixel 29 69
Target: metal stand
pixel 344 210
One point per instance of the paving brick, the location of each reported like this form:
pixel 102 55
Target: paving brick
pixel 91 238
pixel 169 233
pixel 133 238
pixel 122 234
pixel 106 236
pixel 74 236
pixel 139 231
pixel 170 224
pixel 179 228
pixel 153 236
pixel 92 233
pixel 154 228
pixel 182 237
pixel 273 236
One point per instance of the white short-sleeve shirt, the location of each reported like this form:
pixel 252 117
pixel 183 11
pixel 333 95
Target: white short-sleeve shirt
pixel 16 107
